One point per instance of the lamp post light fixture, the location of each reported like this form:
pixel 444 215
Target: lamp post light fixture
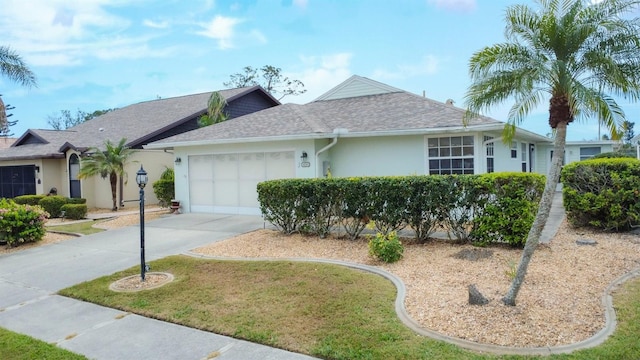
pixel 141 180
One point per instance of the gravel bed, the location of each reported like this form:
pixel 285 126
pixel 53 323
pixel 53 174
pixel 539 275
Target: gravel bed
pixel 559 303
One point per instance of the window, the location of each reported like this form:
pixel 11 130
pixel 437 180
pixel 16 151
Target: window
pixel 450 155
pixel 589 152
pixel 514 150
pixel 489 151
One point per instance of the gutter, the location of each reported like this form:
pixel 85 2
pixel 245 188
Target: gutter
pixel 336 133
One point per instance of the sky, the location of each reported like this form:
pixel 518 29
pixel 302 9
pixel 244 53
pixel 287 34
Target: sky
pixel 101 54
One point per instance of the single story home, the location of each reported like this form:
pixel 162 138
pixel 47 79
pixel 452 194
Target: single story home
pixel 359 128
pixel 40 160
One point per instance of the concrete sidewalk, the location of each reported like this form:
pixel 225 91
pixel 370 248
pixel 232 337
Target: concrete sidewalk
pixel 29 280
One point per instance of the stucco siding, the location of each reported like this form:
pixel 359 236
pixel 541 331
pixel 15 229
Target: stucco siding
pixel 378 156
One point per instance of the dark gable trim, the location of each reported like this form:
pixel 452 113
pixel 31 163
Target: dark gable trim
pixel 165 132
pixel 27 137
pixel 137 143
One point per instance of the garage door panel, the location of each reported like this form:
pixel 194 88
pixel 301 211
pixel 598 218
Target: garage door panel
pixel 225 167
pixel 280 165
pixel 231 184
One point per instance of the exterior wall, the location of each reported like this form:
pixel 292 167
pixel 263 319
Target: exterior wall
pixel 53 174
pixel 572 152
pixel 97 191
pixel 378 156
pixel 503 160
pixel 182 169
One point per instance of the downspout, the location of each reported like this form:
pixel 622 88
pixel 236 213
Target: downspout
pixel 336 133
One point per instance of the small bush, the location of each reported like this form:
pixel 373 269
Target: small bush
pixel 76 201
pixel 28 199
pixel 21 223
pixel 164 188
pixel 387 248
pixel 74 211
pixel 53 204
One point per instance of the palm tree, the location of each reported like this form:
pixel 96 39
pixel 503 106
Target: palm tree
pixel 215 110
pixel 110 162
pixel 574 53
pixel 12 67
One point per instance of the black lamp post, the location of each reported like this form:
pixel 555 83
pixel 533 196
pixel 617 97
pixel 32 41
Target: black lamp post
pixel 141 179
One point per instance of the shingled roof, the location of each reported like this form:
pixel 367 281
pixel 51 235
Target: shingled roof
pixel 138 123
pixel 369 115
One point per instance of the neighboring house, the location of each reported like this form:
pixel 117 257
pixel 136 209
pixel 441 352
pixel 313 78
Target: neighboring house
pixel 43 159
pixel 361 127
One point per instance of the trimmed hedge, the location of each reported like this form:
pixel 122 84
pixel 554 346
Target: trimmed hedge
pixel 53 204
pixel 28 199
pixel 602 193
pixel 74 211
pixel 76 201
pixel 21 223
pixel 475 208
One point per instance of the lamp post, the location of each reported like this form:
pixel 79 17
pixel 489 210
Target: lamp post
pixel 141 179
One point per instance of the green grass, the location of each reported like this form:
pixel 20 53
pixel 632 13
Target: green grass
pixel 16 346
pixel 323 310
pixel 85 228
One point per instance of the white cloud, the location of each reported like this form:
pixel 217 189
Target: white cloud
pixel 428 66
pixel 59 32
pixel 321 74
pixel 454 5
pixel 220 28
pixel 156 24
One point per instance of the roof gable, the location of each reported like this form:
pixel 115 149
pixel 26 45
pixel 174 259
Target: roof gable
pixel 356 86
pixel 29 137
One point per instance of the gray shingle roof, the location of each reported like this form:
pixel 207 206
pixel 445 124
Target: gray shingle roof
pixel 397 111
pixel 135 122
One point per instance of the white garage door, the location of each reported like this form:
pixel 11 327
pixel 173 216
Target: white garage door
pixel 226 183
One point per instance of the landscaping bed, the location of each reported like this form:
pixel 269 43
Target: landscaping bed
pixel 560 302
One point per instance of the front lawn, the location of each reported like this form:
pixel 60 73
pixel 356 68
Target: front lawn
pixel 16 346
pixel 324 310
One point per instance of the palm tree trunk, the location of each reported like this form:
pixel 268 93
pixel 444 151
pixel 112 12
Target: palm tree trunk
pixel 113 179
pixel 533 238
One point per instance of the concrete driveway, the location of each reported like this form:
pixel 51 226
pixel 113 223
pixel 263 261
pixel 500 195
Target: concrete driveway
pixel 29 280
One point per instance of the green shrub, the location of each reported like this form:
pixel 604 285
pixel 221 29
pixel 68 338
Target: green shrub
pixel 510 209
pixel 74 211
pixel 21 223
pixel 53 204
pixel 386 247
pixel 480 208
pixel 28 199
pixel 76 201
pixel 164 188
pixel 603 193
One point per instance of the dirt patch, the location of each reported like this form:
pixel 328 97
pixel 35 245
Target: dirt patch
pixel 152 280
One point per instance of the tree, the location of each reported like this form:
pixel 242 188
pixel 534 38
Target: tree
pixel 571 52
pixel 215 110
pixel 270 78
pixel 13 67
pixel 5 130
pixel 65 119
pixel 627 131
pixel 111 162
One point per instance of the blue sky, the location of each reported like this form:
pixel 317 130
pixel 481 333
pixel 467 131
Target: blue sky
pixel 99 54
